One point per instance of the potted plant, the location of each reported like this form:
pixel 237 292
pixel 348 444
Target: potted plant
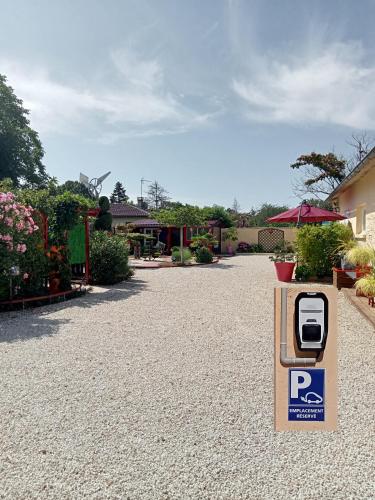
pixel 366 286
pixel 284 261
pixel 230 235
pixel 363 256
pixel 342 250
pixel 206 241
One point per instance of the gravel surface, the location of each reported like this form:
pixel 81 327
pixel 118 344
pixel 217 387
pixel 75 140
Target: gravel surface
pixel 162 388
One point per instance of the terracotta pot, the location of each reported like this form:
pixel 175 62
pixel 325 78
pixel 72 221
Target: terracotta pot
pixel 230 249
pixel 284 270
pixel 54 283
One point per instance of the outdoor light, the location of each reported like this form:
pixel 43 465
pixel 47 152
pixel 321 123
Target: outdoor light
pixel 311 321
pixel 14 271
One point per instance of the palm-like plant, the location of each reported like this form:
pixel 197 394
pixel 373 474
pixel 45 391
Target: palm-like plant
pixel 366 285
pixel 364 256
pixel 361 255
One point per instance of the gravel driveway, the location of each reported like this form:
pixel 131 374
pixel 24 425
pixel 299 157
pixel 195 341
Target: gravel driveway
pixel 162 387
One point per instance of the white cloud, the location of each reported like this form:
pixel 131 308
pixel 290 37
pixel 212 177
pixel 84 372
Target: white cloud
pixel 138 104
pixel 334 87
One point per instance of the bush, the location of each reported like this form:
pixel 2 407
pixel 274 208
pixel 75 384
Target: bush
pixel 203 255
pixel 302 273
pixel 317 246
pixel 176 255
pixel 256 248
pixel 243 247
pixel 109 258
pixel 19 234
pixel 104 220
pixel 231 234
pixel 203 240
pixel 104 203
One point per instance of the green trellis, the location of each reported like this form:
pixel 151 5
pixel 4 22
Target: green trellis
pixel 76 244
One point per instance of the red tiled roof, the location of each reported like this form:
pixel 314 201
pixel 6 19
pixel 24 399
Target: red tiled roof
pixel 146 223
pixel 122 210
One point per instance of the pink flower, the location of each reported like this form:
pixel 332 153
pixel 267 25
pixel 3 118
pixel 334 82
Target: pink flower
pixel 6 237
pixel 8 221
pixel 21 248
pixel 20 225
pixel 25 276
pixel 6 197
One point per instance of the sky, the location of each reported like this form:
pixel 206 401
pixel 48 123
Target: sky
pixel 213 99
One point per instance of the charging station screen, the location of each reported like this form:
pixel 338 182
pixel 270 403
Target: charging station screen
pixel 306 394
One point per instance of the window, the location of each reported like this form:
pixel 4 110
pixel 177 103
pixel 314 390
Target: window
pixel 363 219
pixel 360 220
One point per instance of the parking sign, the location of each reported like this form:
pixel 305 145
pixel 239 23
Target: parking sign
pixel 306 394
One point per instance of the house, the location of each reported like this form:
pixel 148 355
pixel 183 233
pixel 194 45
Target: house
pixel 123 214
pixel 127 214
pixel 355 198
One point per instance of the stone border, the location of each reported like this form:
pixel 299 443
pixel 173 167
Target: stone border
pixel 361 304
pixel 168 264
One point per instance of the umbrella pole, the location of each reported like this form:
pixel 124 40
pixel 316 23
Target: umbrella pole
pixel 299 213
pixel 299 222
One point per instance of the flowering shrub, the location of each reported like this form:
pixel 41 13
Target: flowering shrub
pixel 16 222
pixel 17 226
pixel 243 247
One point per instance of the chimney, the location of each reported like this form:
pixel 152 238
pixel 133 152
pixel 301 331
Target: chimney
pixel 141 203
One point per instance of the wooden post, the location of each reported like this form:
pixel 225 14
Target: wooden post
pixel 87 250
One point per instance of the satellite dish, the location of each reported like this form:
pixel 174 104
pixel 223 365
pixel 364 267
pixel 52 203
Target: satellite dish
pixel 95 185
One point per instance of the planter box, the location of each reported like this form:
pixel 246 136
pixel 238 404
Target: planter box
pixel 341 278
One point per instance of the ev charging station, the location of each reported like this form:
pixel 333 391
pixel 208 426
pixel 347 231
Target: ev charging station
pixel 306 358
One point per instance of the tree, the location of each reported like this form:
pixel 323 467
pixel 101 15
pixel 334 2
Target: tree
pixel 157 196
pixel 258 217
pixel 74 187
pixel 322 173
pixel 236 206
pixel 362 143
pixel 314 202
pixel 119 194
pixel 187 215
pixel 21 151
pixel 220 214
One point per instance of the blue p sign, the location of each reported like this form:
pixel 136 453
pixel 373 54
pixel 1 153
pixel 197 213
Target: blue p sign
pixel 306 394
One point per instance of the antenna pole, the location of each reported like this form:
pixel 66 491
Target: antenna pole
pixel 142 181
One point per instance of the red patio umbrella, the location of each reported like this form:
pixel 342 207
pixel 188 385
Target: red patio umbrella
pixel 306 213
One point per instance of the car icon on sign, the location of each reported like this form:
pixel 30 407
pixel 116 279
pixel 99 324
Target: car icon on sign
pixel 311 397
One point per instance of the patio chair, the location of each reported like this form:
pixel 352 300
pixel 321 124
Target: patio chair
pixel 160 247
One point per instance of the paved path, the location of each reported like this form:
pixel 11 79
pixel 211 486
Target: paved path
pixel 162 388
